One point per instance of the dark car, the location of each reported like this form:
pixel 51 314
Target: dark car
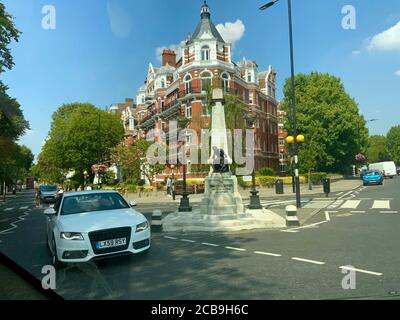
pixel 48 193
pixel 398 171
pixel 372 177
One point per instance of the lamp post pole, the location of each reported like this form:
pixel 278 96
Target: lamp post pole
pixel 293 100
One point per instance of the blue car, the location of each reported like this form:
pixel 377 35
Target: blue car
pixel 372 177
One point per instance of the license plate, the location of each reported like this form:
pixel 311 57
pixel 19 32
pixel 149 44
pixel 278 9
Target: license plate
pixel 111 243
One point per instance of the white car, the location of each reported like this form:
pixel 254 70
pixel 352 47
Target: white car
pixel 88 225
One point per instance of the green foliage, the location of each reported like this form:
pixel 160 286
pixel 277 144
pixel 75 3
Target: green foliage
pixel 8 33
pixel 72 143
pixel 134 162
pixel 330 121
pixel 317 177
pixel 265 171
pixel 393 144
pixel 377 149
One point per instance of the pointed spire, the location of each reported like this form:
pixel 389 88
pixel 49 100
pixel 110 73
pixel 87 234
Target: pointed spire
pixel 205 11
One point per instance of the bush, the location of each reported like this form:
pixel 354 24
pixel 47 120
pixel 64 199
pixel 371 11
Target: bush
pixel 130 187
pixel 317 177
pixel 265 171
pixel 265 181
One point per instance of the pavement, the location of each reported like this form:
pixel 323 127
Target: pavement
pixel 354 234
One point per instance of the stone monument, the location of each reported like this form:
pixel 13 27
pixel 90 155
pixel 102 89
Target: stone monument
pixel 221 208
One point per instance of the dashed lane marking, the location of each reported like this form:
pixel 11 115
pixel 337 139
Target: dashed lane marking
pixel 171 238
pixel 388 212
pixel 210 244
pixel 357 211
pixel 8 209
pixel 186 240
pixel 236 249
pixel 23 208
pixel 308 261
pixel 268 254
pixel 361 270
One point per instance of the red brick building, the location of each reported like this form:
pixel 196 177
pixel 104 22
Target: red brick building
pixel 282 134
pixel 178 87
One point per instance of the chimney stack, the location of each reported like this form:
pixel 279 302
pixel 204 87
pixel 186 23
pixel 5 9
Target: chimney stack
pixel 169 56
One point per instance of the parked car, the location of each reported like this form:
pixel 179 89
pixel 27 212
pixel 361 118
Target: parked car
pixel 388 168
pixel 398 171
pixel 48 193
pixel 372 177
pixel 89 225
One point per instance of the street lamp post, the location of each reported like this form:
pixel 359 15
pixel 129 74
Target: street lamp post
pixel 184 205
pixel 254 198
pixel 293 100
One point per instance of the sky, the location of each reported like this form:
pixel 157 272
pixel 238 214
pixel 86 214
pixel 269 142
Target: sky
pixel 98 51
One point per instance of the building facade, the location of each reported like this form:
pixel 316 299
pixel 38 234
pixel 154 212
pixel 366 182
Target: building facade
pixel 282 134
pixel 178 88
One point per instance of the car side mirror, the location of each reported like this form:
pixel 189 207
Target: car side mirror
pixel 132 203
pixel 50 212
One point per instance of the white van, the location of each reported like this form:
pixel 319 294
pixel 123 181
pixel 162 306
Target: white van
pixel 388 168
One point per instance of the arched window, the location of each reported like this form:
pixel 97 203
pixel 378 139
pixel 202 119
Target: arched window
pixel 188 84
pixel 205 81
pixel 225 82
pixel 205 53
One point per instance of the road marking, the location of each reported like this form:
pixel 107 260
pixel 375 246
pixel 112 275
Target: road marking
pixel 336 204
pixel 291 231
pixel 318 204
pixel 24 208
pixel 350 204
pixel 327 217
pixel 210 244
pixel 8 209
pixel 172 238
pixel 347 193
pixel 186 240
pixel 357 211
pixel 340 193
pixel 388 212
pixel 237 249
pixel 381 204
pixel 268 254
pixel 309 261
pixel 361 270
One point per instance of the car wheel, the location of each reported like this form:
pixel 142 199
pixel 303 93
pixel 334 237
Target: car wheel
pixel 56 263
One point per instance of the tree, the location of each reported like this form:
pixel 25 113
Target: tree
pixel 72 143
pixel 329 118
pixel 393 144
pixel 134 162
pixel 8 33
pixel 377 149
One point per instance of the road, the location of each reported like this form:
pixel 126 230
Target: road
pixel 357 232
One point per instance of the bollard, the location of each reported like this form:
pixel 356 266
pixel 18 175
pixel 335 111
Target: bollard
pixel 291 216
pixel 279 186
pixel 327 186
pixel 156 221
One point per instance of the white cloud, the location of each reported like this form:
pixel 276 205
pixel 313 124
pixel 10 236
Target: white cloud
pixel 387 40
pixel 232 32
pixel 175 47
pixel 356 52
pixel 397 73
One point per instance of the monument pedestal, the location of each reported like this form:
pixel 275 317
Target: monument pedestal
pixel 222 210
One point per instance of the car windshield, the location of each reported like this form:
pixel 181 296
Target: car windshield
pixel 93 202
pixel 48 188
pixel 372 173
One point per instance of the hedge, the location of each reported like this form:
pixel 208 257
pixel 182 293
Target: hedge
pixel 268 181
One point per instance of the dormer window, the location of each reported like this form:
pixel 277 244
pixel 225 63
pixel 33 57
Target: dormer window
pixel 205 53
pixel 206 81
pixel 249 77
pixel 225 82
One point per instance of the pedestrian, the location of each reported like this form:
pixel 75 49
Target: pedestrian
pixel 169 184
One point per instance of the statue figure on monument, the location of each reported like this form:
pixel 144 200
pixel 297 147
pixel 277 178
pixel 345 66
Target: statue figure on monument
pixel 220 161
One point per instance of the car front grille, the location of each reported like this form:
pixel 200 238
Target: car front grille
pixel 110 234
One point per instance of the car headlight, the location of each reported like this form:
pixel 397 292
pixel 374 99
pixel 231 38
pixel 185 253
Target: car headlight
pixel 71 236
pixel 143 226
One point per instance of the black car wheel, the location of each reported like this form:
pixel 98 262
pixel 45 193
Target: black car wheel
pixel 56 263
